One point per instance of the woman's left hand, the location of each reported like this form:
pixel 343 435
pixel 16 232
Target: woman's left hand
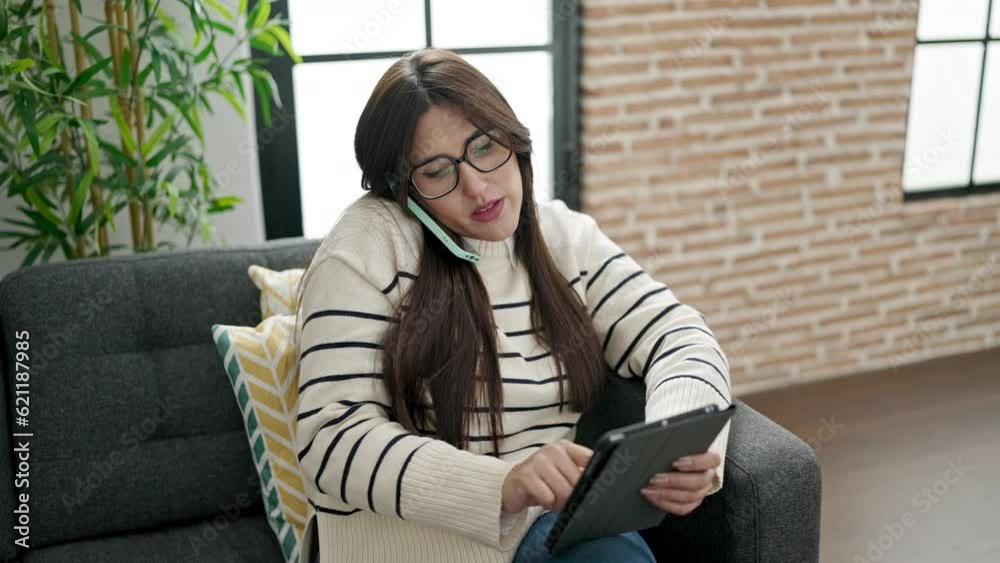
pixel 680 492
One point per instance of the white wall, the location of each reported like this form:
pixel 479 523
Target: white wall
pixel 230 151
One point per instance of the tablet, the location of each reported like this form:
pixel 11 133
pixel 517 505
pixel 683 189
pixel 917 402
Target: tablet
pixel 606 500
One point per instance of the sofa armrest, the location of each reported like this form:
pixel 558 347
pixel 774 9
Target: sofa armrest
pixel 768 508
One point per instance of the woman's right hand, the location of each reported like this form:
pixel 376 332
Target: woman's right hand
pixel 546 478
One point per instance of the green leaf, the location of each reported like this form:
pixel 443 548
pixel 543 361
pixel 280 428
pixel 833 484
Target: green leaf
pixel 42 206
pixel 25 83
pixel 153 64
pixel 263 99
pixel 109 216
pixel 49 121
pixel 41 223
pixel 86 75
pixel 19 223
pixel 281 34
pixel 118 155
pixel 93 150
pixel 49 250
pixel 156 108
pixel 206 179
pixel 158 134
pixel 232 101
pixel 54 73
pixel 26 111
pixel 49 159
pixel 223 203
pixel 204 53
pixel 265 42
pixel 33 239
pixel 20 65
pixel 53 58
pixel 97 89
pixel 88 221
pixel 125 68
pixel 32 255
pixel 18 33
pixel 223 11
pixel 123 127
pixel 261 11
pixel 14 234
pixel 167 150
pixel 269 81
pixel 242 8
pixel 92 52
pixel 190 115
pixel 29 85
pixel 79 196
pixel 194 120
pixel 238 82
pixel 166 20
pixel 45 176
pixel 22 10
pixel 4 19
pixel 221 27
pixel 173 197
pixel 97 29
pixel 203 100
pixel 67 249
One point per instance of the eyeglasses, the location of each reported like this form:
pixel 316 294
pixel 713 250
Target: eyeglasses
pixel 438 176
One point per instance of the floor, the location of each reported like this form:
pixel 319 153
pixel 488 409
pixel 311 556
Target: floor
pixel 911 459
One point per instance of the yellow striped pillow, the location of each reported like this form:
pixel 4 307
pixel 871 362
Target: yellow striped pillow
pixel 262 365
pixel 278 290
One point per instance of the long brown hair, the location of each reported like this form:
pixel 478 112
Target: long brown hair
pixel 447 330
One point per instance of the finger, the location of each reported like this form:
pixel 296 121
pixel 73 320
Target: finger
pixel 539 492
pixel 683 480
pixel 568 467
pixel 678 495
pixel 557 483
pixel 579 454
pixel 698 462
pixel 673 506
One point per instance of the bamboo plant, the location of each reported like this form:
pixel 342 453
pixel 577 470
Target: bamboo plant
pixel 107 114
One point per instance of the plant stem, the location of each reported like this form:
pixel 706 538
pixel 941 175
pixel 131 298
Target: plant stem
pixel 96 197
pixel 53 37
pixel 145 31
pixel 140 126
pixel 118 39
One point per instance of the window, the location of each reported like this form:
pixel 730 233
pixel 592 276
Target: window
pixel 953 124
pixel 528 48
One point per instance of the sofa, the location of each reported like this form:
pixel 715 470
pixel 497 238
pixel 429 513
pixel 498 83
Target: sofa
pixel 137 450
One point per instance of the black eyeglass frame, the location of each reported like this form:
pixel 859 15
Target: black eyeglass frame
pixel 463 158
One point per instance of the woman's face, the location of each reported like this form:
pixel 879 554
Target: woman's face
pixel 443 130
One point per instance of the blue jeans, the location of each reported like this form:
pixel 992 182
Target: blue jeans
pixel 624 548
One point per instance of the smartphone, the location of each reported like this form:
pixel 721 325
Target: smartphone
pixel 433 226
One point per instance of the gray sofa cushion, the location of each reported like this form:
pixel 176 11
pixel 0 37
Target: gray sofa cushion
pixel 135 425
pixel 247 540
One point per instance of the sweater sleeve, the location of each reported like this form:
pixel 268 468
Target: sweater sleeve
pixel 647 332
pixel 353 454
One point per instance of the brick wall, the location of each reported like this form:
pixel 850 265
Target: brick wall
pixel 749 154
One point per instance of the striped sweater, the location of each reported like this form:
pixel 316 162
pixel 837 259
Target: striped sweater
pixel 380 493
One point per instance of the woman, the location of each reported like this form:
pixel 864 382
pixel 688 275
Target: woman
pixel 407 455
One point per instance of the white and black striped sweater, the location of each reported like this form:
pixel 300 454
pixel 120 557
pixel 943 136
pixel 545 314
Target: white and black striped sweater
pixel 380 493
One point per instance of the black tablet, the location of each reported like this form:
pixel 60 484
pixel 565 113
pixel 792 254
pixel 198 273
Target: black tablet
pixel 606 500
